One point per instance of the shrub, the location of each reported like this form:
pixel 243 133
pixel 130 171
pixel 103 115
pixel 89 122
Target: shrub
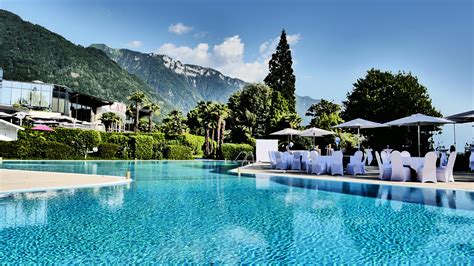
pixel 142 146
pixel 54 150
pixel 178 152
pixel 122 140
pixel 194 142
pixel 108 150
pixel 230 150
pixel 39 149
pixel 79 140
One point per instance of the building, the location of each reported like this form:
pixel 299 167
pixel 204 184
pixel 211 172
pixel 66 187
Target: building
pixel 46 100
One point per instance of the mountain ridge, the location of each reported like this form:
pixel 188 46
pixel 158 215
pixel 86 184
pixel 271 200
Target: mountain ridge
pixel 186 84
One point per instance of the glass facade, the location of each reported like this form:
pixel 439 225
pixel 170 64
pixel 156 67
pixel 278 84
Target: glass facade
pixel 35 96
pixel 81 112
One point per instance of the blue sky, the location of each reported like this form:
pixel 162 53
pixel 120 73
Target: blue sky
pixel 333 42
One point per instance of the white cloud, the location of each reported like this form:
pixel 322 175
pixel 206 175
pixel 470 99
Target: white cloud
pixel 228 56
pixel 200 35
pixel 135 44
pixel 179 28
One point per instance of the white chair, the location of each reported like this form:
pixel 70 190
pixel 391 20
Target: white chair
pixel 385 158
pixel 296 162
pixel 445 174
pixel 427 173
pixel 305 160
pixel 318 166
pixel 356 165
pixel 369 156
pixel 281 162
pixel 405 154
pixel 271 156
pixel 399 172
pixel 336 163
pixel 385 171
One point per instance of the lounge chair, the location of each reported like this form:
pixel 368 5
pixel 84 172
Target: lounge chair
pixel 427 173
pixel 336 163
pixel 385 171
pixel 445 173
pixel 399 172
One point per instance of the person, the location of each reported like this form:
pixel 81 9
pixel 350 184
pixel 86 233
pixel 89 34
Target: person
pixel 452 149
pixel 289 146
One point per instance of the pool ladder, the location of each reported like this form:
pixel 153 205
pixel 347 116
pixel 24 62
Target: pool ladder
pixel 246 157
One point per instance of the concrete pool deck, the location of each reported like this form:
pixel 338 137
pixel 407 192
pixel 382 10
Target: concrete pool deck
pixel 463 181
pixel 15 181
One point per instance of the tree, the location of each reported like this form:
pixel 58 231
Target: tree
pixel 280 77
pixel 174 123
pixel 154 109
pixel 325 115
pixel 383 96
pixel 250 112
pixel 110 119
pixel 138 98
pixel 219 113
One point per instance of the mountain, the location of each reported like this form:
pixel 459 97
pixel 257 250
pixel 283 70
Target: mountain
pixel 302 105
pixel 182 84
pixel 30 52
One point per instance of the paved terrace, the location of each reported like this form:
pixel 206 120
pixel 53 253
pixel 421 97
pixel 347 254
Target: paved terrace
pixel 463 181
pixel 12 181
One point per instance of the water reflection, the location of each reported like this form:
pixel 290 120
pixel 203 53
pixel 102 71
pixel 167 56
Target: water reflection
pixel 393 195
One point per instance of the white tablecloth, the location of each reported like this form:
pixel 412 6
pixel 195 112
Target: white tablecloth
pixel 414 162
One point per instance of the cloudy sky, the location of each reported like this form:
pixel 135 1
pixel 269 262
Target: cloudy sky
pixel 333 42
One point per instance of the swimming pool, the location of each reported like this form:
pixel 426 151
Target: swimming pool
pixel 194 212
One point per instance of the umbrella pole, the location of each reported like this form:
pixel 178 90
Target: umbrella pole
pixel 454 126
pixel 419 149
pixel 358 138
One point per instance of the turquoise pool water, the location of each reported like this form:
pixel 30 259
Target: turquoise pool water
pixel 193 212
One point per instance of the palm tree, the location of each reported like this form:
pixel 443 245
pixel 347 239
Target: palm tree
pixel 110 119
pixel 222 112
pixel 138 98
pixel 154 109
pixel 205 120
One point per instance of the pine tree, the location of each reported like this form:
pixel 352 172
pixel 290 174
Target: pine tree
pixel 280 77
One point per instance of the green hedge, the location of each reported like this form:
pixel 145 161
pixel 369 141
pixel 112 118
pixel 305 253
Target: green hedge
pixel 41 149
pixel 142 146
pixel 196 143
pixel 178 152
pixel 108 150
pixel 79 140
pixel 120 139
pixel 230 151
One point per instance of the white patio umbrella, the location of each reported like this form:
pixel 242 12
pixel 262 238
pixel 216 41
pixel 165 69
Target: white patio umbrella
pixel 359 123
pixel 461 118
pixel 419 120
pixel 315 132
pixel 287 132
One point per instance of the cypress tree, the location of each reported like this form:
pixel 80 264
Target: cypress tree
pixel 280 77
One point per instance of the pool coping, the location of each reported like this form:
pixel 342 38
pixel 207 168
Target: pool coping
pixel 344 178
pixel 31 187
